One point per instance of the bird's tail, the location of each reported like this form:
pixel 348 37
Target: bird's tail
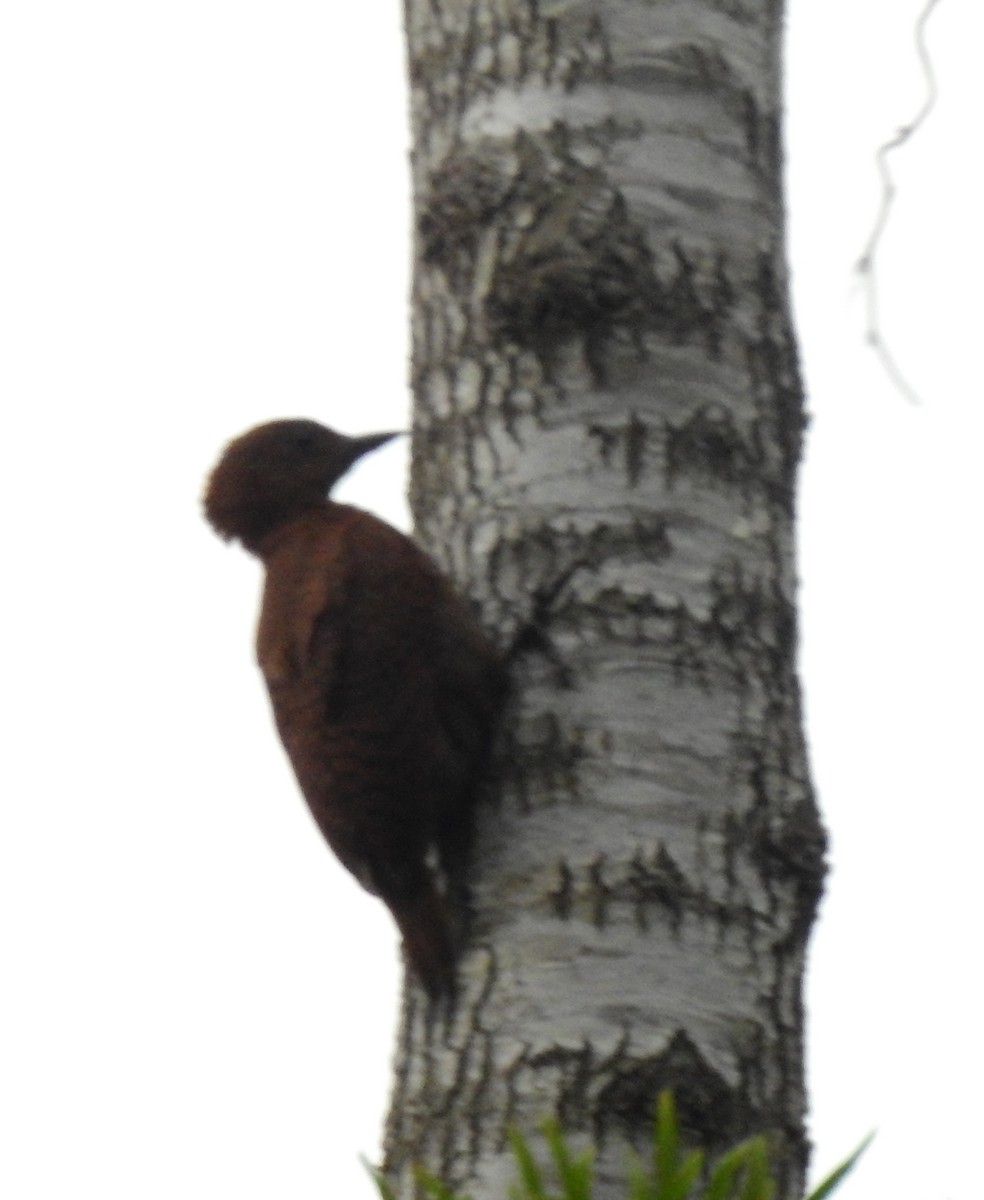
pixel 423 920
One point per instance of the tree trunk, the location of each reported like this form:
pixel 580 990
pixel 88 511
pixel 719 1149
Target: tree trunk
pixel 606 433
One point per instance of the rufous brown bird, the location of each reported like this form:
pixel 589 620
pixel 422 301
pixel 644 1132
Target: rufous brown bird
pixel 384 688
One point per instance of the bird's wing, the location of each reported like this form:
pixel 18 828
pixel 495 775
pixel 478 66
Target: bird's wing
pixel 304 603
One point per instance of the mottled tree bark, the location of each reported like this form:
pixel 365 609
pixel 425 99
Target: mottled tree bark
pixel 606 433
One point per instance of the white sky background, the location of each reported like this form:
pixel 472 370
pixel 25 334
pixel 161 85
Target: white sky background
pixel 203 225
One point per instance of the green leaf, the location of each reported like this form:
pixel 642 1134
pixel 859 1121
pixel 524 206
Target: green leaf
pixel 529 1172
pixel 433 1186
pixel 687 1174
pixel 675 1173
pixel 641 1186
pixel 758 1183
pixel 430 1183
pixel 666 1145
pixel 743 1173
pixel 721 1185
pixel 383 1185
pixel 826 1186
pixel 575 1173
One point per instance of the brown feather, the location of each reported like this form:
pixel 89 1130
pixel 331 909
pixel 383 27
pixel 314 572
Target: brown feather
pixel 384 688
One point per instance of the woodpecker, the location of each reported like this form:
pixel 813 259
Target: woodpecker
pixel 384 688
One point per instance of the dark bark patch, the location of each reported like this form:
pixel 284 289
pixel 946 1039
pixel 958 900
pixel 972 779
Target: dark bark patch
pixel 545 763
pixel 710 446
pixel 580 269
pixel 543 248
pixel 785 842
pixel 709 1111
pixel 574 1068
pixel 562 897
pixel 631 439
pixel 657 879
pixel 635 445
pixel 599 893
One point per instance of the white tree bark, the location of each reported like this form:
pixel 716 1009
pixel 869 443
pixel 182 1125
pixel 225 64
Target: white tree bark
pixel 607 426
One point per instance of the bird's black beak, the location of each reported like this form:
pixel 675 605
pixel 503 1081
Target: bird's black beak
pixel 371 441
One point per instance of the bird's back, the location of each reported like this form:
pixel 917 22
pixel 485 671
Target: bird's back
pixel 384 687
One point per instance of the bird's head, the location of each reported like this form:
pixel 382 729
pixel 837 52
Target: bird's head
pixel 277 471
